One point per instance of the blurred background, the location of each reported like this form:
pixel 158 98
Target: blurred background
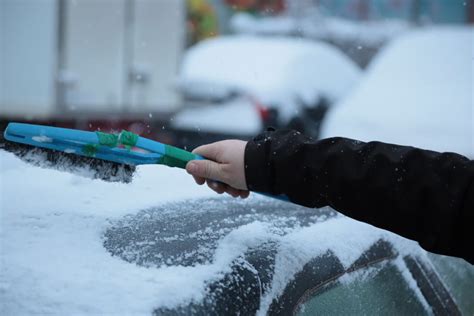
pixel 190 72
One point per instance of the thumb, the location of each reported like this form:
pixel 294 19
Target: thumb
pixel 205 169
pixel 210 151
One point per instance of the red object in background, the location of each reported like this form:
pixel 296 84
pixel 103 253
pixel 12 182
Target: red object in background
pixel 274 6
pixel 242 4
pixel 262 110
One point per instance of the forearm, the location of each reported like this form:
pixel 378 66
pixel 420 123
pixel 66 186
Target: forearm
pixel 419 194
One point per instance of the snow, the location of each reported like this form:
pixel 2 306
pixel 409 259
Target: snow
pixel 202 90
pixel 246 23
pixel 278 71
pixel 53 260
pixel 418 92
pixel 339 236
pixel 402 267
pixel 42 139
pixel 239 116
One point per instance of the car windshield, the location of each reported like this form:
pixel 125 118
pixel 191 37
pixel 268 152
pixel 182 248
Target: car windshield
pixel 459 278
pixel 188 233
pixel 378 289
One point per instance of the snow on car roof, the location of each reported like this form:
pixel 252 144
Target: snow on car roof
pixel 418 91
pixel 53 260
pixel 274 69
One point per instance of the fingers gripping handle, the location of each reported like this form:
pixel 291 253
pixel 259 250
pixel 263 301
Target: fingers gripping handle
pixel 176 157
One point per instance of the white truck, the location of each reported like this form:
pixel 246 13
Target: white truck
pixel 61 59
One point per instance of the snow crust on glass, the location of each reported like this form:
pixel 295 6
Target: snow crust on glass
pixel 275 69
pixel 53 260
pixel 418 92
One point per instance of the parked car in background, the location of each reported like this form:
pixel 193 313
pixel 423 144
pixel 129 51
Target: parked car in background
pixel 240 84
pixel 418 92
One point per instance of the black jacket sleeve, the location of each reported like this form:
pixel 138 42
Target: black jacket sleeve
pixel 420 194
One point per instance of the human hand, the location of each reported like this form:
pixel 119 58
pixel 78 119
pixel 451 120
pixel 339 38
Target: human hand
pixel 225 171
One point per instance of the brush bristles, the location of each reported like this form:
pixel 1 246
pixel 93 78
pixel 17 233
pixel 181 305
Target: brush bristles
pixel 84 166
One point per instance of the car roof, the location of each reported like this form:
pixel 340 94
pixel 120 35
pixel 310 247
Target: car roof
pixel 418 91
pixel 273 69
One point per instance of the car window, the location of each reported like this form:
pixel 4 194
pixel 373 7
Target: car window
pixel 188 233
pixel 458 275
pixel 375 290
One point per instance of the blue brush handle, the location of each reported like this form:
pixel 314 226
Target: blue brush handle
pixel 76 142
pixel 91 144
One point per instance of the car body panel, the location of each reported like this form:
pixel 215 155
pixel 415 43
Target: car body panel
pixel 281 73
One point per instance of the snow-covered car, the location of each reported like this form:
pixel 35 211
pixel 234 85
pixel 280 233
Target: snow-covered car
pixel 240 84
pixel 360 40
pixel 162 245
pixel 418 92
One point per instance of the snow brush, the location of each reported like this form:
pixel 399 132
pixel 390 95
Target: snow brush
pixel 98 155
